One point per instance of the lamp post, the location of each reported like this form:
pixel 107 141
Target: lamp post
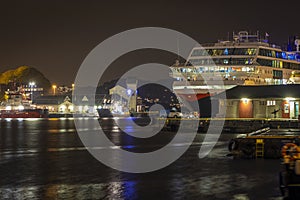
pixel 54 88
pixel 31 85
pixel 73 86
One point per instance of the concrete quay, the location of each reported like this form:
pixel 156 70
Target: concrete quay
pixel 235 125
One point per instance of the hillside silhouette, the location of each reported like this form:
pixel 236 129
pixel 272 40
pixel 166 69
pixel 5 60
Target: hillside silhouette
pixel 23 75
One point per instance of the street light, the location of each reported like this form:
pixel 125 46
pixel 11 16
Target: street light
pixel 31 85
pixel 54 88
pixel 73 85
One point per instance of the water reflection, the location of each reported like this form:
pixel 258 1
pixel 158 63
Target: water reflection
pixel 45 159
pixel 88 191
pixel 19 193
pixel 112 190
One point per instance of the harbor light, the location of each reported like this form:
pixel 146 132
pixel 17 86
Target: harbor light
pixel 54 88
pixel 245 100
pixel 21 107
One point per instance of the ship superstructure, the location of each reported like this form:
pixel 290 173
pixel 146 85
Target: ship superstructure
pixel 246 60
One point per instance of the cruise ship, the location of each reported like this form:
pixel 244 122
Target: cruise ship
pixel 245 60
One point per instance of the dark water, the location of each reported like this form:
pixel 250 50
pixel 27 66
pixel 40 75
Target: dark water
pixel 45 159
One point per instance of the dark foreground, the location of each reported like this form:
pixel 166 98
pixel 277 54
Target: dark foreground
pixel 44 159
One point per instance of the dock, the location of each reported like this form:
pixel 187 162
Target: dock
pixel 235 125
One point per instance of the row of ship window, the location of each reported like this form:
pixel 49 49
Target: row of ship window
pixel 245 51
pixel 224 51
pixel 244 61
pixel 278 54
pixel 221 61
pixel 275 73
pixel 278 64
pixel 214 69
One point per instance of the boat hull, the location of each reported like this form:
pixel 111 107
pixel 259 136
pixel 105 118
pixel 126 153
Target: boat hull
pixel 34 113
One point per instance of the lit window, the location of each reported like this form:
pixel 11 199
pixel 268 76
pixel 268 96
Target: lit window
pixel 226 51
pixel 271 103
pixel 283 55
pixel 262 103
pixel 214 52
pixel 248 52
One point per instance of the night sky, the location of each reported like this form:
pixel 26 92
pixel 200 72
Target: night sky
pixel 55 36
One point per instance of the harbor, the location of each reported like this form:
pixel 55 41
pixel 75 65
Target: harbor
pixel 138 100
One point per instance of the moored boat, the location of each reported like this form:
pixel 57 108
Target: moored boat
pixel 26 113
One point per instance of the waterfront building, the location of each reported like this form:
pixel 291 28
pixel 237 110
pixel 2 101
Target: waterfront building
pixel 55 104
pixel 84 104
pixel 276 101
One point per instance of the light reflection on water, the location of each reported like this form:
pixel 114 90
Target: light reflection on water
pixel 19 193
pixel 45 159
pixel 113 190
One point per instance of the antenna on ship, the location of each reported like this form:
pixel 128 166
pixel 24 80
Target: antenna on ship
pixel 235 37
pixel 177 62
pixel 177 47
pixel 267 36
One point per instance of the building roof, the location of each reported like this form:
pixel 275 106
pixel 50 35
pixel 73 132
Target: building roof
pixel 87 99
pixel 49 100
pixel 265 91
pixel 80 100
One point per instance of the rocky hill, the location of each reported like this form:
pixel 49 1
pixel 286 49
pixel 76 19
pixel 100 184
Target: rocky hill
pixel 23 75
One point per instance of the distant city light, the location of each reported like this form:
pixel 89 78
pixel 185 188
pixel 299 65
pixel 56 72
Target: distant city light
pixel 31 84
